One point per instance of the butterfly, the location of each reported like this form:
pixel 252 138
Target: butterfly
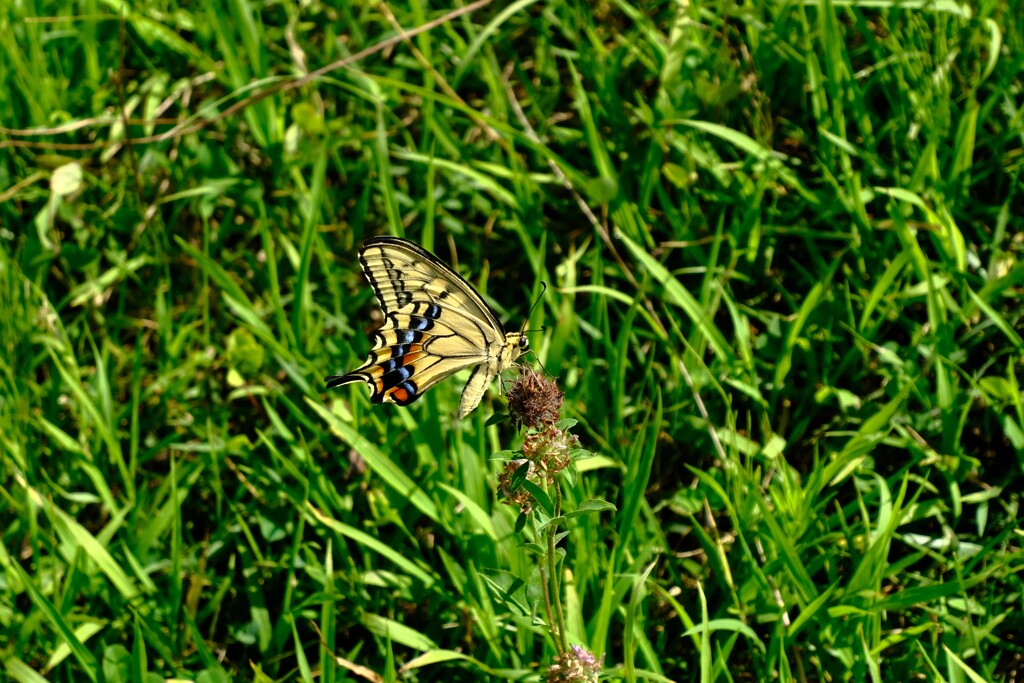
pixel 435 324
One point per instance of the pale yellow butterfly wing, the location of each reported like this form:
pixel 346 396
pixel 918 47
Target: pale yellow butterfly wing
pixel 435 324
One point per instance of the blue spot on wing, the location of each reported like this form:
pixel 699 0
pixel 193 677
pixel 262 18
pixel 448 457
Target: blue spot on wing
pixel 419 323
pixel 395 377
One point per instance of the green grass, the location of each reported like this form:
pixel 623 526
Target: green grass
pixel 781 243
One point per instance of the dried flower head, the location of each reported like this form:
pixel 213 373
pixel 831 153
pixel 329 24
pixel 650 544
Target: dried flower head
pixel 575 666
pixel 515 495
pixel 550 450
pixel 534 400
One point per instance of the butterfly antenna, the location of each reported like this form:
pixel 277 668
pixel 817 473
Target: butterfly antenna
pixel 544 288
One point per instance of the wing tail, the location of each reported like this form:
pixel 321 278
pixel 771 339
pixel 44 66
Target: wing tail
pixel 338 380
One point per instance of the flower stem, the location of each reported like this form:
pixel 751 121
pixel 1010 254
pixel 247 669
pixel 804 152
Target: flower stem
pixel 552 530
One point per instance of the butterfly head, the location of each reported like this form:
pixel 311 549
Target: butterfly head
pixel 517 343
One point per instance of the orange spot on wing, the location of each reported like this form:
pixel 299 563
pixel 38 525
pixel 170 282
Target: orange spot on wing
pixel 410 349
pixel 399 394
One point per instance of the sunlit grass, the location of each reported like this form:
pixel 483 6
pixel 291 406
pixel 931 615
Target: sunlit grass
pixel 800 219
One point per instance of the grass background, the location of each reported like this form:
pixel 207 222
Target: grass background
pixel 809 211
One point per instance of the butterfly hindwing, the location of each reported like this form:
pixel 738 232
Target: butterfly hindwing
pixel 435 324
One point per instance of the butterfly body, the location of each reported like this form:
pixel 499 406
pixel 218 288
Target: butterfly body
pixel 435 324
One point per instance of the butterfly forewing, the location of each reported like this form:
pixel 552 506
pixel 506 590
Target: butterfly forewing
pixel 403 273
pixel 435 325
